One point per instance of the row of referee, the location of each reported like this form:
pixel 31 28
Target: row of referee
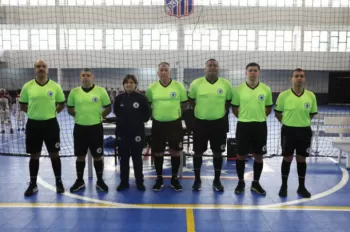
pixel 211 96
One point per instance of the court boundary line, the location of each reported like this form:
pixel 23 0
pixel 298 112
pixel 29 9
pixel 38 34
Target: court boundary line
pixel 338 186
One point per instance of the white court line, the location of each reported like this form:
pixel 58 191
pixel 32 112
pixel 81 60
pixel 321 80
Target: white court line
pixel 338 186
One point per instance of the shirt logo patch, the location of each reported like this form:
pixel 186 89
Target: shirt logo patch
pixel 99 150
pixel 136 105
pixel 261 97
pixel 57 145
pixel 173 94
pixel 137 138
pixel 307 105
pixel 94 99
pixel 50 93
pixel 220 91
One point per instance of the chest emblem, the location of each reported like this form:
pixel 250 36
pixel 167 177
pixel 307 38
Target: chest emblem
pixel 220 91
pixel 50 93
pixel 94 99
pixel 307 105
pixel 261 97
pixel 173 94
pixel 136 105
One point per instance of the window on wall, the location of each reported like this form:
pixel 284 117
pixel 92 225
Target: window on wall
pixel 43 39
pixel 42 2
pixel 123 2
pixel 238 2
pixel 243 40
pixel 315 41
pixel 159 39
pixel 316 3
pixel 279 3
pixel 340 3
pixel 275 40
pixel 123 39
pixel 14 39
pixel 81 39
pixel 13 2
pixel 202 40
pixel 340 41
pixel 80 2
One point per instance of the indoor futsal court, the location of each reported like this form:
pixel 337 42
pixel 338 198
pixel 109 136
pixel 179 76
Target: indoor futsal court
pixel 119 37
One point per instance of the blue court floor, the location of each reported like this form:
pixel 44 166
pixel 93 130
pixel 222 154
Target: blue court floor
pixel 89 210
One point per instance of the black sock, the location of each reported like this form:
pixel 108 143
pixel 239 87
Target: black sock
pixel 301 167
pixel 175 164
pixel 33 170
pixel 99 169
pixel 80 166
pixel 240 166
pixel 197 164
pixel 158 163
pixel 257 167
pixel 217 161
pixel 56 166
pixel 285 168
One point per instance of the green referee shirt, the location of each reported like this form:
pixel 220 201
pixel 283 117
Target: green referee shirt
pixel 252 102
pixel 210 97
pixel 166 100
pixel 88 105
pixel 41 99
pixel 296 109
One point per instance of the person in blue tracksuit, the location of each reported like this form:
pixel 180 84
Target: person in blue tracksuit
pixel 132 111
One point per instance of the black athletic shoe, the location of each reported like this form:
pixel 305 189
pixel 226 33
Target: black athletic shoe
pixel 59 186
pixel 122 186
pixel 101 185
pixel 141 187
pixel 175 184
pixel 79 184
pixel 32 188
pixel 256 187
pixel 240 187
pixel 158 185
pixel 197 185
pixel 217 186
pixel 303 192
pixel 283 191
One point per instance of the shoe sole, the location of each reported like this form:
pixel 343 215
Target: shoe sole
pixel 239 192
pixel 157 190
pixel 101 189
pixel 34 191
pixel 177 190
pixel 256 191
pixel 218 190
pixel 77 189
pixel 197 189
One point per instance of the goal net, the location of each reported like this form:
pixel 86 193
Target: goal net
pixel 119 37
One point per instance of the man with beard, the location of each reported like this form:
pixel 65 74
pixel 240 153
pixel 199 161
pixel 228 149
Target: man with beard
pixel 42 99
pixel 251 104
pixel 210 95
pixel 295 109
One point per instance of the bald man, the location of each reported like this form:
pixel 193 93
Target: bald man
pixel 42 99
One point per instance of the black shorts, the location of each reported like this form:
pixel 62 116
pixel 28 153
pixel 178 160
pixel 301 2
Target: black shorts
pixel 39 131
pixel 296 139
pixel 251 138
pixel 88 137
pixel 214 131
pixel 167 132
